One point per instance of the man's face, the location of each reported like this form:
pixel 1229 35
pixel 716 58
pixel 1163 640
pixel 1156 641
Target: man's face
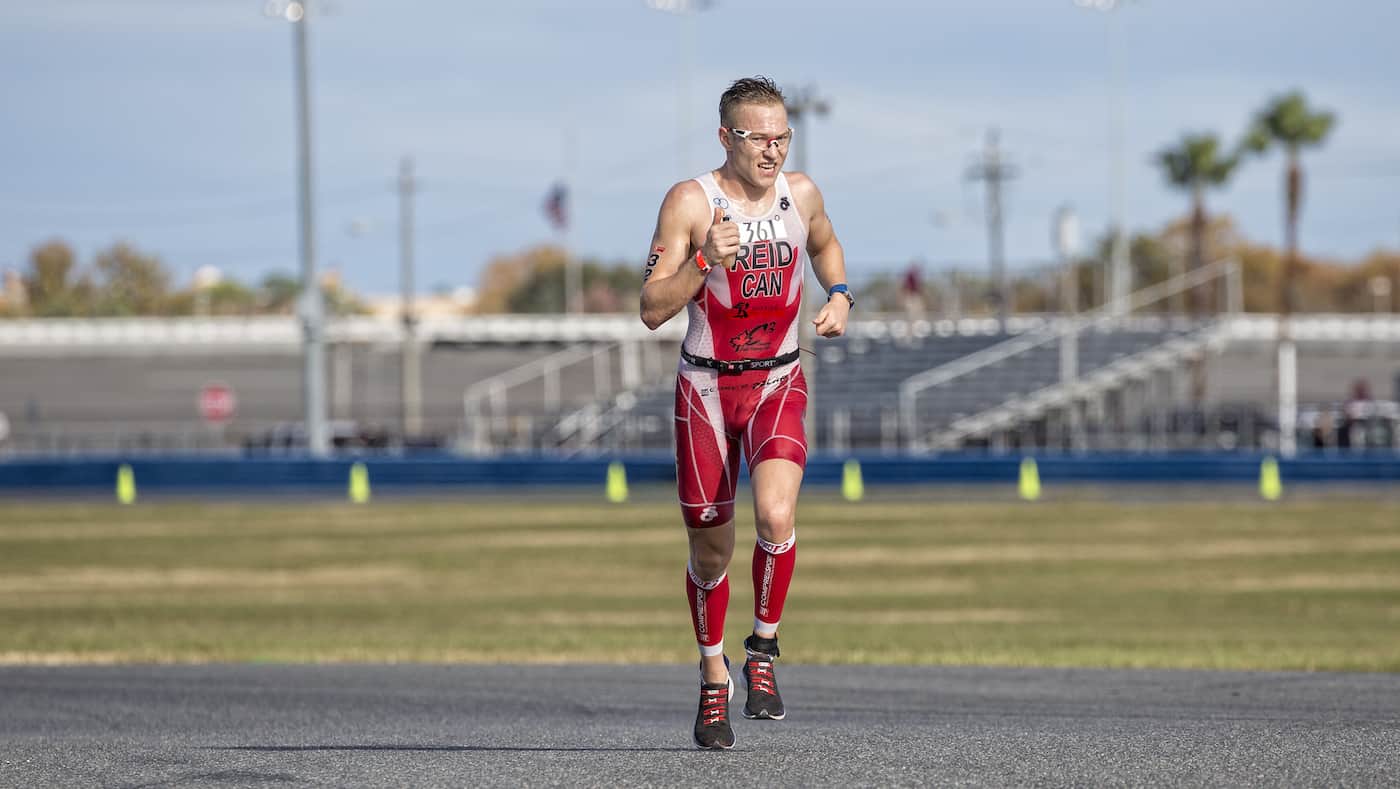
pixel 760 157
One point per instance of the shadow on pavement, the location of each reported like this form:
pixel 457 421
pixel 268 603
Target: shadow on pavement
pixel 532 749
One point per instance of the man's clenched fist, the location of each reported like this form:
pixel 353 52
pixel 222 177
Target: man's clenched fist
pixel 721 242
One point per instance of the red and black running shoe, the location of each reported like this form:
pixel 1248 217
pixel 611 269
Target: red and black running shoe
pixel 712 729
pixel 764 701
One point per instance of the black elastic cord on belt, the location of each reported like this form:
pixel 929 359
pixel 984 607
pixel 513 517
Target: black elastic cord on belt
pixel 740 365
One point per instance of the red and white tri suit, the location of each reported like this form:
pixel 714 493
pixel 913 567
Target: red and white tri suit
pixel 748 313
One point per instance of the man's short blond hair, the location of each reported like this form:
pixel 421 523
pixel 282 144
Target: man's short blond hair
pixel 749 90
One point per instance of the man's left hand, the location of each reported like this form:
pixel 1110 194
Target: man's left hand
pixel 831 321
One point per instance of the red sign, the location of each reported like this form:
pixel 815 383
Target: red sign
pixel 217 402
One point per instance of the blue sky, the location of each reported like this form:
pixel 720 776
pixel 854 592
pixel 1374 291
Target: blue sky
pixel 169 123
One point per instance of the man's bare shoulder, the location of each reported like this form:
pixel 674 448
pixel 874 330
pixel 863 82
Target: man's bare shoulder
pixel 686 198
pixel 802 186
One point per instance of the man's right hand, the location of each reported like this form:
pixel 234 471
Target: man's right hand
pixel 721 242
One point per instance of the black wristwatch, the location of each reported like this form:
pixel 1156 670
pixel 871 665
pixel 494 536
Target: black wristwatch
pixel 844 291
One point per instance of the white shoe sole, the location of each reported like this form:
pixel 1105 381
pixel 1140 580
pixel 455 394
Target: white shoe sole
pixel 764 717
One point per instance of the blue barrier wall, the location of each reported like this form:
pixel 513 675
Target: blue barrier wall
pixel 424 474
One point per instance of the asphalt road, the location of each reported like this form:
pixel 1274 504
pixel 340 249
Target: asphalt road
pixel 410 725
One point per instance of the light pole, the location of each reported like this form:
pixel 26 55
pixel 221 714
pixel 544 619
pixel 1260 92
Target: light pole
pixel 411 379
pixel 1066 242
pixel 310 305
pixel 1120 272
pixel 1065 238
pixel 686 10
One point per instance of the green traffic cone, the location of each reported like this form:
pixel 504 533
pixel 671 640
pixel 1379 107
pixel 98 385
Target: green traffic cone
pixel 126 484
pixel 852 485
pixel 1270 484
pixel 1029 483
pixel 617 482
pixel 359 483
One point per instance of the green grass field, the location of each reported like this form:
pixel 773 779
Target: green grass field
pixel 1177 583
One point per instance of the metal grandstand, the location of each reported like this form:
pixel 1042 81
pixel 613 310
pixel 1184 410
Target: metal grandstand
pixel 581 384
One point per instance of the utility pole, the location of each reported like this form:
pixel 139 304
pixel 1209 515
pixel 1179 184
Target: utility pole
pixel 993 170
pixel 687 10
pixel 802 103
pixel 410 378
pixel 1121 279
pixel 311 307
pixel 1119 275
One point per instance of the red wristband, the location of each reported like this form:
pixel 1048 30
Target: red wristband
pixel 700 262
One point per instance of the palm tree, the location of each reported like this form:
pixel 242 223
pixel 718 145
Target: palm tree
pixel 1288 122
pixel 1195 165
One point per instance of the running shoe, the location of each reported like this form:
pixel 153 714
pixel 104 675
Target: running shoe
pixel 712 729
pixel 764 701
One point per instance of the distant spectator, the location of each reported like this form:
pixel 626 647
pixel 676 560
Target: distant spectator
pixel 1356 415
pixel 911 291
pixel 1322 430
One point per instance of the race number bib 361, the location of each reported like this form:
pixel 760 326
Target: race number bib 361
pixel 762 230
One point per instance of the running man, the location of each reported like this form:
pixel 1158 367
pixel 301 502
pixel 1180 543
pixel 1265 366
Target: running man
pixel 732 246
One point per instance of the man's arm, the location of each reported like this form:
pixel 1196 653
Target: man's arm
pixel 672 277
pixel 825 252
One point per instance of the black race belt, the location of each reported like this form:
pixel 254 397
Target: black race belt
pixel 740 365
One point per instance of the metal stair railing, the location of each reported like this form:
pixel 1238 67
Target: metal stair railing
pixel 1105 316
pixel 484 402
pixel 584 427
pixel 1063 394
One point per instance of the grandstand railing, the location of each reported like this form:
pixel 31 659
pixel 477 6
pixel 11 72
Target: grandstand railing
pixel 1223 272
pixel 485 404
pixel 147 336
pixel 1063 395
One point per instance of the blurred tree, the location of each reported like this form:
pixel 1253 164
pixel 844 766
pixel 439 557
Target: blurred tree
pixel 1220 237
pixel 532 281
pixel 182 302
pixel 277 295
pixel 541 288
pixel 600 297
pixel 1368 286
pixel 1378 267
pixel 341 301
pixel 230 297
pixel 505 274
pixel 1033 294
pixel 1151 256
pixel 1324 286
pixel 14 298
pixel 1086 279
pixel 278 292
pixel 1194 165
pixel 1288 122
pixel 625 281
pixel 606 288
pixel 131 283
pixel 52 285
